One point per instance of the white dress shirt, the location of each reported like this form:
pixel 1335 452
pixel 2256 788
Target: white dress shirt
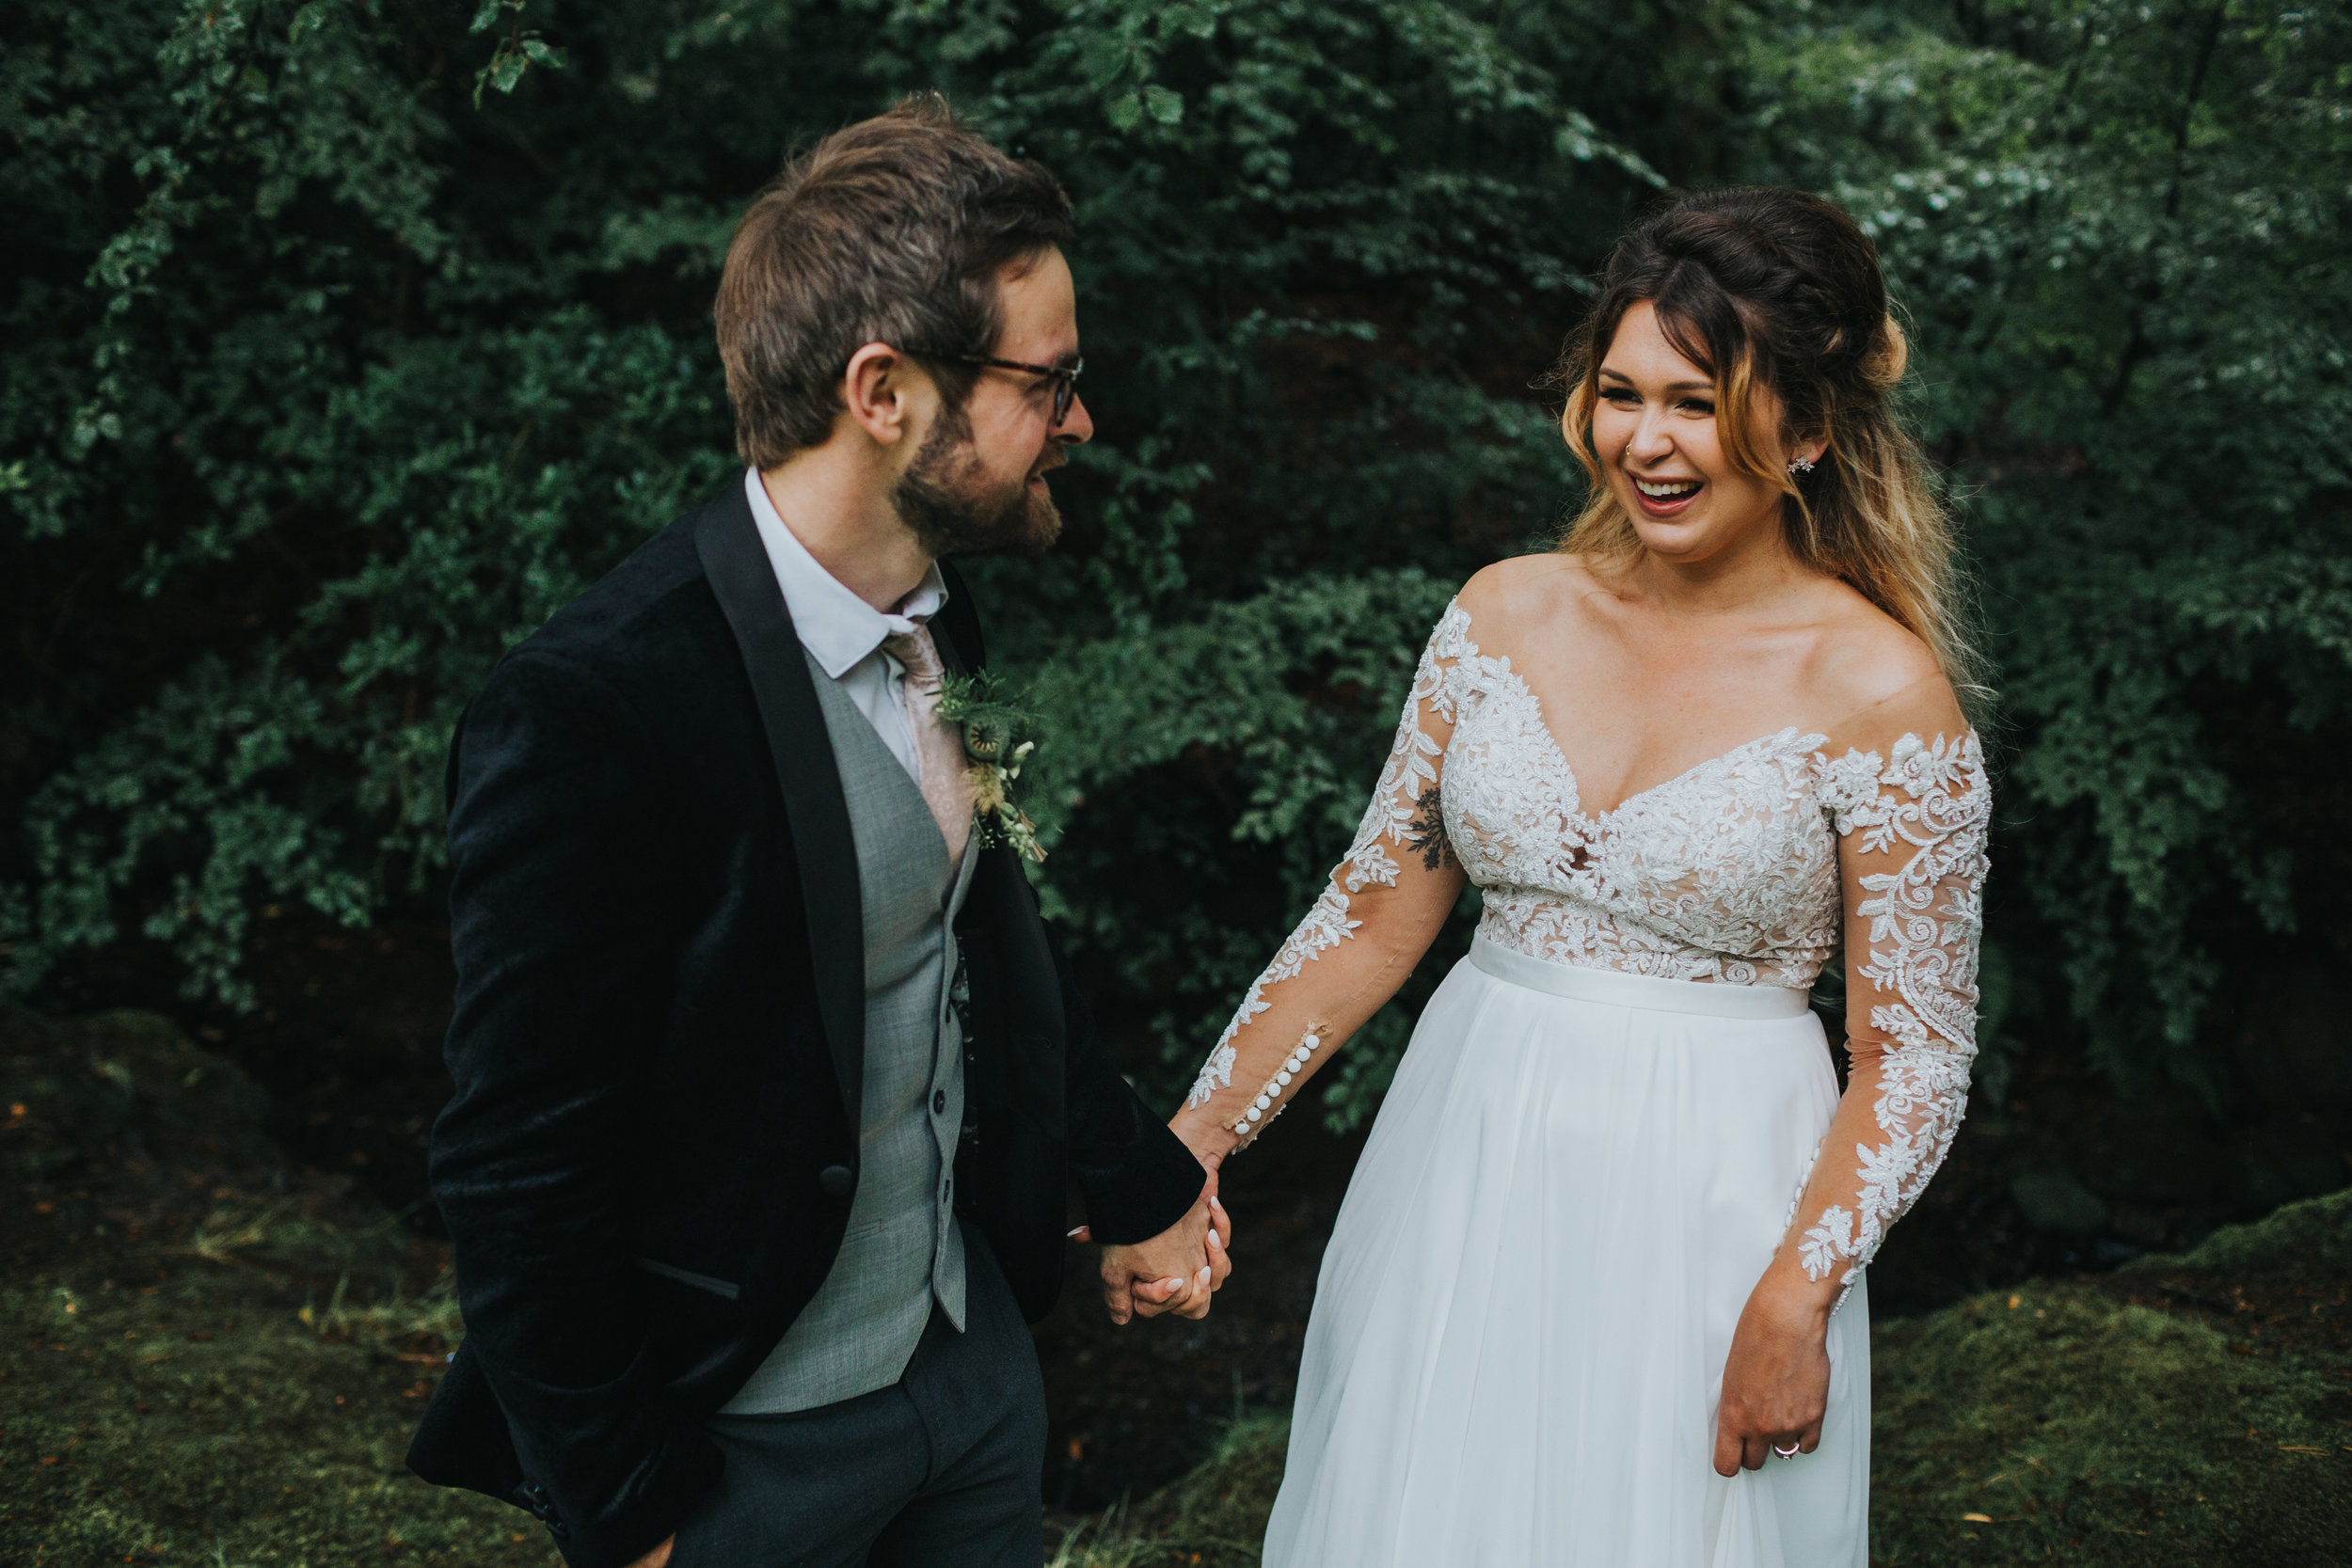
pixel 843 633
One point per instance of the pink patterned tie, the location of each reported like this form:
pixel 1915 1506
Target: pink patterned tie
pixel 945 788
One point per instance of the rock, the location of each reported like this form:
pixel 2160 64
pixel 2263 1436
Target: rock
pixel 2055 1204
pixel 109 1076
pixel 118 1120
pixel 2311 1237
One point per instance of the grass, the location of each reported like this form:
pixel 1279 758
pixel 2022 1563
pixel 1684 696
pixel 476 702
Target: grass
pixel 1212 1518
pixel 210 1361
pixel 2191 1410
pixel 2074 1428
pixel 219 1415
pixel 206 1358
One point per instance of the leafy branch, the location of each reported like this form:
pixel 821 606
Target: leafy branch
pixel 516 52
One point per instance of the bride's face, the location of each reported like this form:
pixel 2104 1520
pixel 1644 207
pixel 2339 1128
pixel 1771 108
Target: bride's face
pixel 1655 433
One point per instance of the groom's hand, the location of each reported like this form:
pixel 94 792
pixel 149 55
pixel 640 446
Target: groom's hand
pixel 1176 1271
pixel 658 1558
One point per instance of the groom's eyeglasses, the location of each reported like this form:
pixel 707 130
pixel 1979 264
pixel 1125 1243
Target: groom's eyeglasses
pixel 1064 377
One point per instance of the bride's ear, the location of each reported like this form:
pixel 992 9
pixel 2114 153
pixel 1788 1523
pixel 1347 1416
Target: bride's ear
pixel 1806 450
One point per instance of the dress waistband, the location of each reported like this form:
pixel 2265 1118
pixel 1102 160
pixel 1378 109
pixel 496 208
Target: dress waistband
pixel 1612 988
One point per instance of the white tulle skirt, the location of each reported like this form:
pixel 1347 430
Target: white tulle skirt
pixel 1520 1325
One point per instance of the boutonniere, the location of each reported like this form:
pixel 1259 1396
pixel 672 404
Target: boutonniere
pixel 998 735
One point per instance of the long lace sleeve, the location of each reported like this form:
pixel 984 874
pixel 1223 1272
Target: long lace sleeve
pixel 1912 816
pixel 1383 906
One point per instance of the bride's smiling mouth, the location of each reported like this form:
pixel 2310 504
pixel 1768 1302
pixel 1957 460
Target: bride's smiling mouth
pixel 1663 498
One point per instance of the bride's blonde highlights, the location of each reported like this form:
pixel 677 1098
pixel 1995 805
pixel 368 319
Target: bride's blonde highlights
pixel 1778 296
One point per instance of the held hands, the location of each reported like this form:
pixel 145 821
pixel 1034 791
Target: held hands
pixel 1775 1380
pixel 1143 1279
pixel 1176 1271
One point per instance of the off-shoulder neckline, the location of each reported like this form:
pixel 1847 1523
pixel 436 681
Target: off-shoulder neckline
pixel 1798 740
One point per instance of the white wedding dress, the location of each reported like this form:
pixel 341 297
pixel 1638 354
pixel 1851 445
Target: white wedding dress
pixel 1611 1115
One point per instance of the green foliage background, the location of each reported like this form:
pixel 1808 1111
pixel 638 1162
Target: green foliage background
pixel 347 340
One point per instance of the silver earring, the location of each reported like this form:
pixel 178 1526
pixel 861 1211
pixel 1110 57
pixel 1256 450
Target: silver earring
pixel 1801 465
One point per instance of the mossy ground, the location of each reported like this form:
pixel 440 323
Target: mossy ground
pixel 197 1418
pixel 2192 1411
pixel 208 1359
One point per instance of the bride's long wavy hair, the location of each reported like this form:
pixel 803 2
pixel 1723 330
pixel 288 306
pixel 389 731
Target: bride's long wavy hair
pixel 1778 289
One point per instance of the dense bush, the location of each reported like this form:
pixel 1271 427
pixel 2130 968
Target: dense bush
pixel 348 338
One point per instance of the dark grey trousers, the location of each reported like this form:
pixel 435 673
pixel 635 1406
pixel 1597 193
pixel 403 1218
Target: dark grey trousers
pixel 942 1470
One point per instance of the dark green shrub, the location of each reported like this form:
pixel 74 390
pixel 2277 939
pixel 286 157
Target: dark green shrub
pixel 344 343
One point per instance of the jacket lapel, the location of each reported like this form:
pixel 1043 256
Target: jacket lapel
pixel 1000 896
pixel 737 563
pixel 948 657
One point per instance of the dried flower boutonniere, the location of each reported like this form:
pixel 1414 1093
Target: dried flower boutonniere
pixel 998 735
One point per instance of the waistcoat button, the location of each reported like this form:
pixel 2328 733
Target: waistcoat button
pixel 938 1103
pixel 836 1181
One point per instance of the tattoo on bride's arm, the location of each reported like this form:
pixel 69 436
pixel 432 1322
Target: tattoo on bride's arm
pixel 1426 832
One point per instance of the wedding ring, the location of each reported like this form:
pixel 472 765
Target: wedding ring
pixel 1789 1452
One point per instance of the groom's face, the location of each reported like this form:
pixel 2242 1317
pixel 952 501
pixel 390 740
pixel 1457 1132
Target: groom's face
pixel 977 481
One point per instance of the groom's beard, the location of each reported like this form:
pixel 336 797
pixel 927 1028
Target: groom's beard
pixel 952 508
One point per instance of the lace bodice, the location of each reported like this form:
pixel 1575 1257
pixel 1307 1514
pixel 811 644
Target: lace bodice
pixel 1738 871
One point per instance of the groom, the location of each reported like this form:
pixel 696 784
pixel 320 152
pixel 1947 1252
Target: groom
pixel 770 1081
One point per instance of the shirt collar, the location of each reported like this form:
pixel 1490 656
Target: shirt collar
pixel 836 627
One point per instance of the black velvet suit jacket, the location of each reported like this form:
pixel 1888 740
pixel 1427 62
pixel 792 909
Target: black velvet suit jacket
pixel 658 1045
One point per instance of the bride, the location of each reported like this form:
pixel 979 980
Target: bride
pixel 1602 1257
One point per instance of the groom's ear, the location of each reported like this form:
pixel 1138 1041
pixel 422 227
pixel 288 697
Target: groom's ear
pixel 885 393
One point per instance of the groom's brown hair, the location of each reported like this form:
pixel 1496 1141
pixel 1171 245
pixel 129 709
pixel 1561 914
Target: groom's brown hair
pixel 890 230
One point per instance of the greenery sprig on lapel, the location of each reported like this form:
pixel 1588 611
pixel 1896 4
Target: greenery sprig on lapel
pixel 998 735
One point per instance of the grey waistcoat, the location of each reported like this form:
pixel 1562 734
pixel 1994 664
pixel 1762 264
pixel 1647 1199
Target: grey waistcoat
pixel 903 1247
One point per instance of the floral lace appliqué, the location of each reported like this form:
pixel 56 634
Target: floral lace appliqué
pixel 1412 770
pixel 1926 921
pixel 1727 873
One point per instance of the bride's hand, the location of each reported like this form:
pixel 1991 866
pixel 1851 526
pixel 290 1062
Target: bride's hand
pixel 1775 1380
